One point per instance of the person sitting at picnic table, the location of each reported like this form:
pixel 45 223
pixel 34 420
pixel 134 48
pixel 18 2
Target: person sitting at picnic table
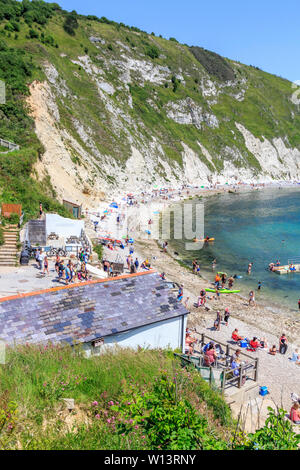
pixel 210 356
pixel 295 413
pixel 235 356
pixel 235 367
pixel 189 342
pixel 235 336
pixel 205 348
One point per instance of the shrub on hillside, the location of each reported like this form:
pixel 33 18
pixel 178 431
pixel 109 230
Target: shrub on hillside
pixel 213 63
pixel 71 23
pixel 152 51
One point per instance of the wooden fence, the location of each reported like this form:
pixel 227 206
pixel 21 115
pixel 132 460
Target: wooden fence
pixel 9 145
pixel 8 209
pixel 248 366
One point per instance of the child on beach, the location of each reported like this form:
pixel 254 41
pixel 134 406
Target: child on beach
pixel 46 265
pixel 226 316
pixel 259 286
pixel 251 298
pixel 217 323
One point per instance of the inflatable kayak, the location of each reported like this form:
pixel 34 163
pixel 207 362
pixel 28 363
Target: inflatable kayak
pixel 223 291
pixel 203 240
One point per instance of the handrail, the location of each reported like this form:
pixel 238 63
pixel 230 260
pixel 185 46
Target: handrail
pixel 227 346
pixel 10 145
pixel 252 363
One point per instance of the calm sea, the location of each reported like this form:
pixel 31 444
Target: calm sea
pixel 257 226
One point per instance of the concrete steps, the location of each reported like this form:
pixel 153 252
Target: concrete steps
pixel 8 251
pixel 248 392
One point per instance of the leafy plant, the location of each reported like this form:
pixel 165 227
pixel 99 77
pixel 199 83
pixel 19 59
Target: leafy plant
pixel 277 433
pixel 168 420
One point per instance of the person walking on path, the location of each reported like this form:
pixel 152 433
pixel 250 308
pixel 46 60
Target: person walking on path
pixel 283 344
pixel 41 258
pixel 57 261
pixel 46 265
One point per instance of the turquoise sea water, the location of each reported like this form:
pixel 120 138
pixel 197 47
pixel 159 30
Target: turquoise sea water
pixel 256 226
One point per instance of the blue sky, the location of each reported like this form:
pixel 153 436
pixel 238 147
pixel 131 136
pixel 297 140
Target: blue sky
pixel 264 33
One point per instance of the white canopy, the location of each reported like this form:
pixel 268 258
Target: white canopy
pixel 63 227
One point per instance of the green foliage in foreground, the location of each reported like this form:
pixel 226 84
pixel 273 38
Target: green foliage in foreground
pixel 38 378
pixel 277 434
pixel 124 400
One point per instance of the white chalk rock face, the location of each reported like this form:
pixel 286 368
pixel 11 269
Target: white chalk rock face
pixel 274 157
pixel 188 112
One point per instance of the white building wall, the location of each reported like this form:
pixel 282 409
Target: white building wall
pixel 166 334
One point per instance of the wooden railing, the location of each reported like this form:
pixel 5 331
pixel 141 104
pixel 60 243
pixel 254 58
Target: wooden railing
pixel 11 147
pixel 248 366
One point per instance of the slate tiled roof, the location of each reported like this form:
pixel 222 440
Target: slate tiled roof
pixel 86 312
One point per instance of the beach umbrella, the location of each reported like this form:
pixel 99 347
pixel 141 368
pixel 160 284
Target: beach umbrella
pixel 114 205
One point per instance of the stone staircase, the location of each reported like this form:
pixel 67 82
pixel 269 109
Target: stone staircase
pixel 8 251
